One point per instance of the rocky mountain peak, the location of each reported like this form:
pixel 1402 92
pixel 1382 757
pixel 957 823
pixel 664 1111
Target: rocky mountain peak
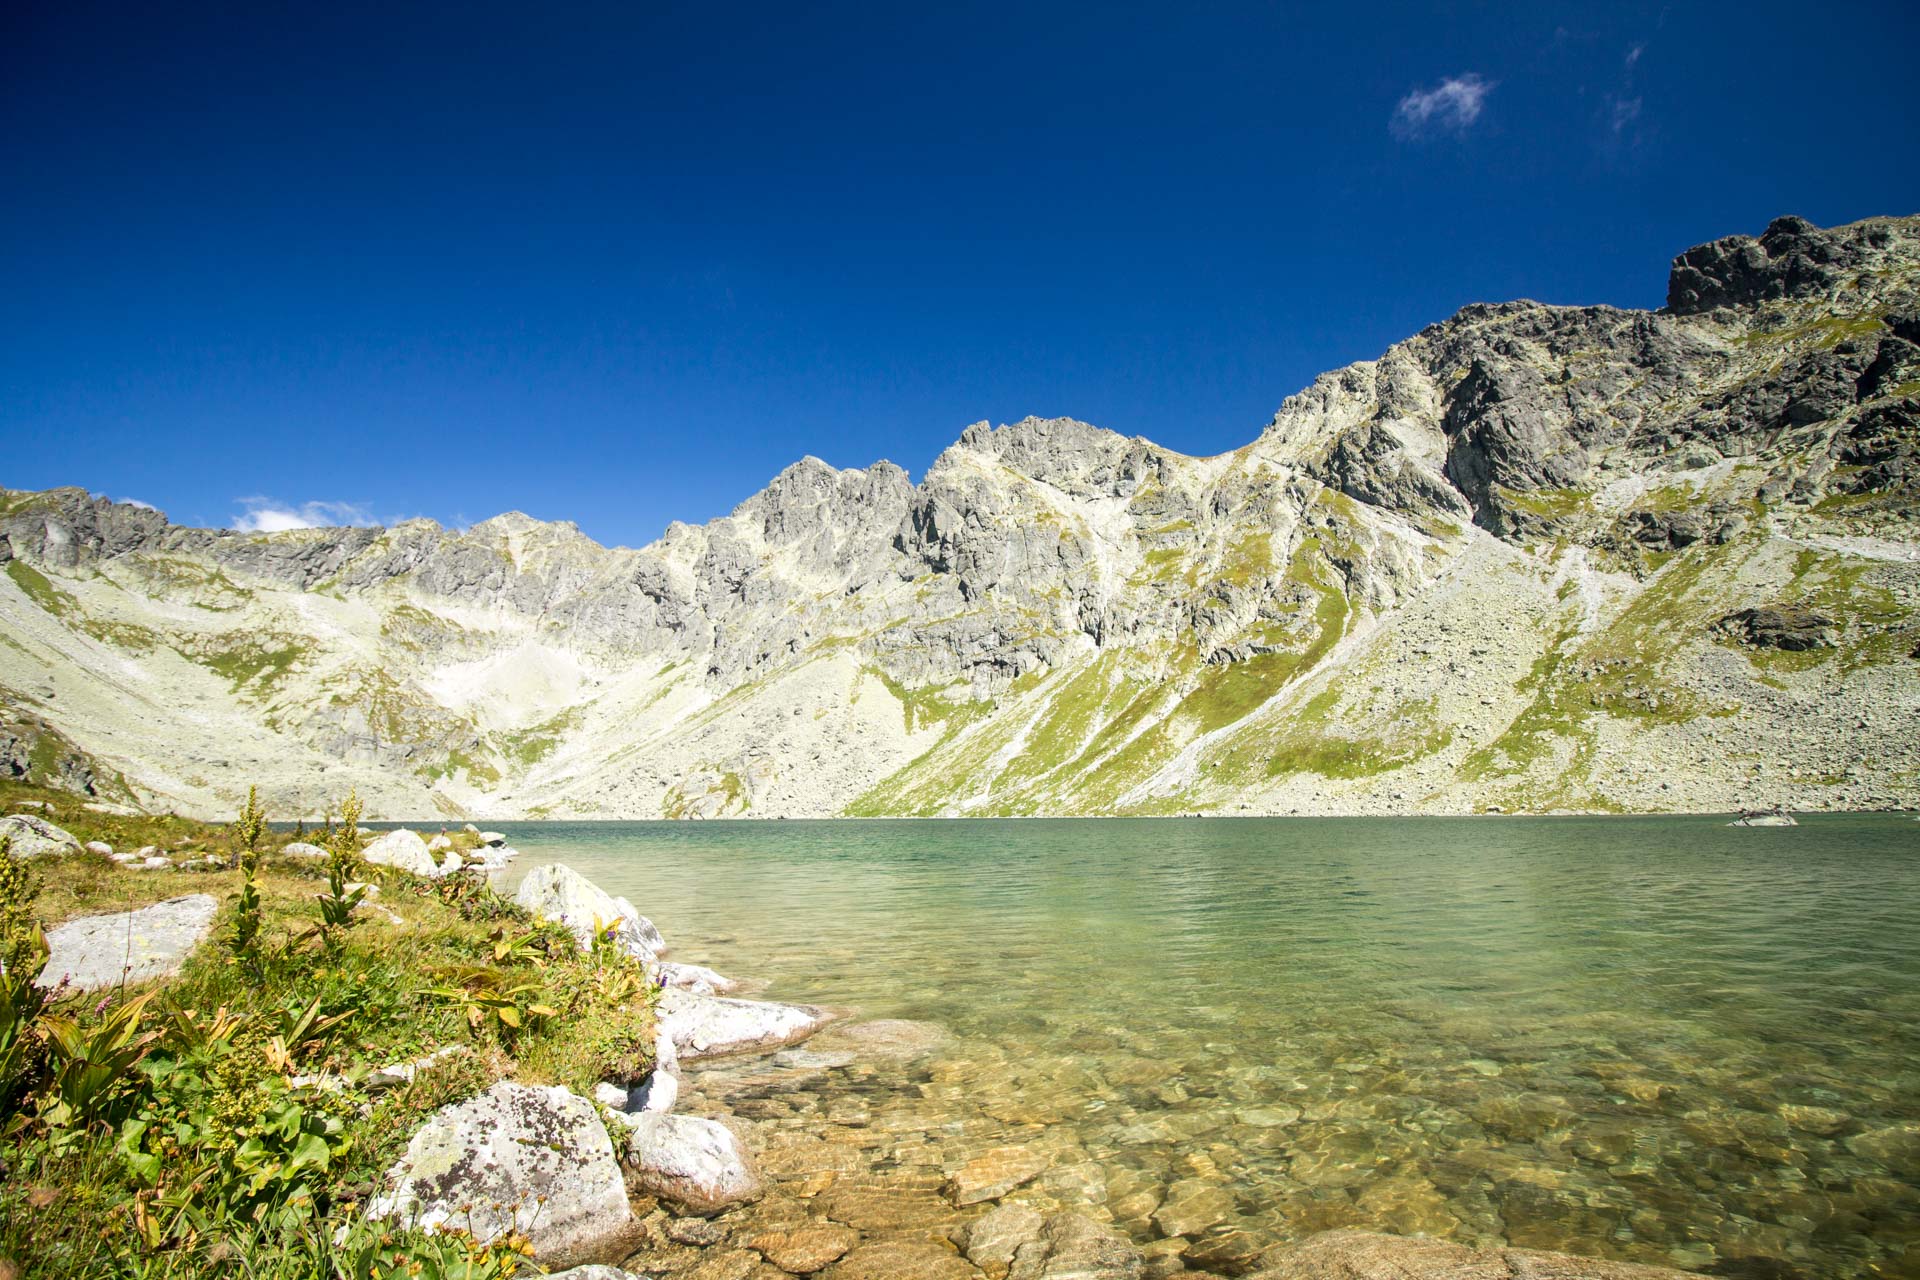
pixel 1792 259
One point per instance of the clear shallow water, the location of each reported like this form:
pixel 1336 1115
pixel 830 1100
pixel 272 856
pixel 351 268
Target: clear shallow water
pixel 1658 1039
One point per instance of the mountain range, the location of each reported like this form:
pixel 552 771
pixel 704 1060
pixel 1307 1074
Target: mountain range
pixel 1533 558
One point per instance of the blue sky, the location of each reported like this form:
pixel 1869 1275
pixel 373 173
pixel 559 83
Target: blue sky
pixel 621 264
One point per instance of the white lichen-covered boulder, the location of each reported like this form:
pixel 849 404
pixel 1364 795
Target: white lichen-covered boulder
pixel 100 847
pixel 301 849
pixel 440 843
pixel 536 1160
pixel 31 837
pixel 559 893
pixel 93 952
pixel 704 1026
pixel 661 1089
pixel 697 1164
pixel 404 850
pixel 694 977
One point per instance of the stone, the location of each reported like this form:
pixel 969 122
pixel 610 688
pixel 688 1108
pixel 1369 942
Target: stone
pixel 594 1271
pixel 991 1241
pixel 804 1250
pixel 403 850
pixel 689 1161
pixel 93 952
pixel 692 977
pixel 440 843
pixel 1367 1255
pixel 31 837
pixel 1191 1206
pixel 559 893
pixel 612 1096
pixel 492 839
pixel 707 1026
pixel 100 847
pixel 449 864
pixel 1072 1246
pixel 1821 1121
pixel 395 1074
pixel 702 1233
pixel 891 1038
pixel 524 1158
pixel 900 1260
pixel 301 849
pixel 992 1174
pixel 1897 1147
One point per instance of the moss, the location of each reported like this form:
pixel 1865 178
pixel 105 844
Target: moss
pixel 929 705
pixel 1549 505
pixel 39 590
pixel 252 665
pixel 1822 333
pixel 530 746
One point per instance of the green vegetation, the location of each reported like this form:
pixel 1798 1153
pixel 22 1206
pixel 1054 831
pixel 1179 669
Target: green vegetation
pixel 39 590
pixel 252 664
pixel 167 1132
pixel 1825 332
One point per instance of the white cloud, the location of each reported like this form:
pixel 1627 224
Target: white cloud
pixel 1449 107
pixel 135 502
pixel 1625 112
pixel 268 515
pixel 1633 54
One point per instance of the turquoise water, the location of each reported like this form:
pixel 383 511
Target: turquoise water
pixel 1658 1039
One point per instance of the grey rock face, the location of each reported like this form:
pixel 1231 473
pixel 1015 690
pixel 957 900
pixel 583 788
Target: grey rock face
pixel 694 1163
pixel 1794 630
pixel 515 1158
pixel 1793 259
pixel 94 952
pixel 31 837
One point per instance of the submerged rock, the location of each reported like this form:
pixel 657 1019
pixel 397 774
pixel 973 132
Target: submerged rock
pixel 131 946
pixel 404 850
pixel 1367 1255
pixel 31 837
pixel 990 1242
pixel 695 1163
pixel 706 1026
pixel 515 1158
pixel 992 1174
pixel 900 1260
pixel 804 1250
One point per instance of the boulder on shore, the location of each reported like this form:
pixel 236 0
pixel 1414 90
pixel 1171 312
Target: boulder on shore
pixel 403 849
pixel 706 1026
pixel 692 1162
pixel 536 1160
pixel 1370 1255
pixel 301 849
pixel 559 893
pixel 132 946
pixel 31 837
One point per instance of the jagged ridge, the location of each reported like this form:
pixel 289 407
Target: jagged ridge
pixel 1494 566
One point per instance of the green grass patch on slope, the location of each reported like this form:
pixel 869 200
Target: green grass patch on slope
pixel 39 590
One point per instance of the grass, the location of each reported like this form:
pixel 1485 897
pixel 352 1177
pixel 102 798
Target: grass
pixel 78 1199
pixel 254 664
pixel 39 590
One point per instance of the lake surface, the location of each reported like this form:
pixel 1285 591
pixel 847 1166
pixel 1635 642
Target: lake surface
pixel 1656 1039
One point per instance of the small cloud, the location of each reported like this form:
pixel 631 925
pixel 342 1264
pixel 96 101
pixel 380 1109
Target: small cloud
pixel 268 515
pixel 135 502
pixel 1633 54
pixel 1449 107
pixel 1625 112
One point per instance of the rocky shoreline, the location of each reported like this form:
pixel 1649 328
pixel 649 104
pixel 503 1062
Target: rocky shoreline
pixel 662 1179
